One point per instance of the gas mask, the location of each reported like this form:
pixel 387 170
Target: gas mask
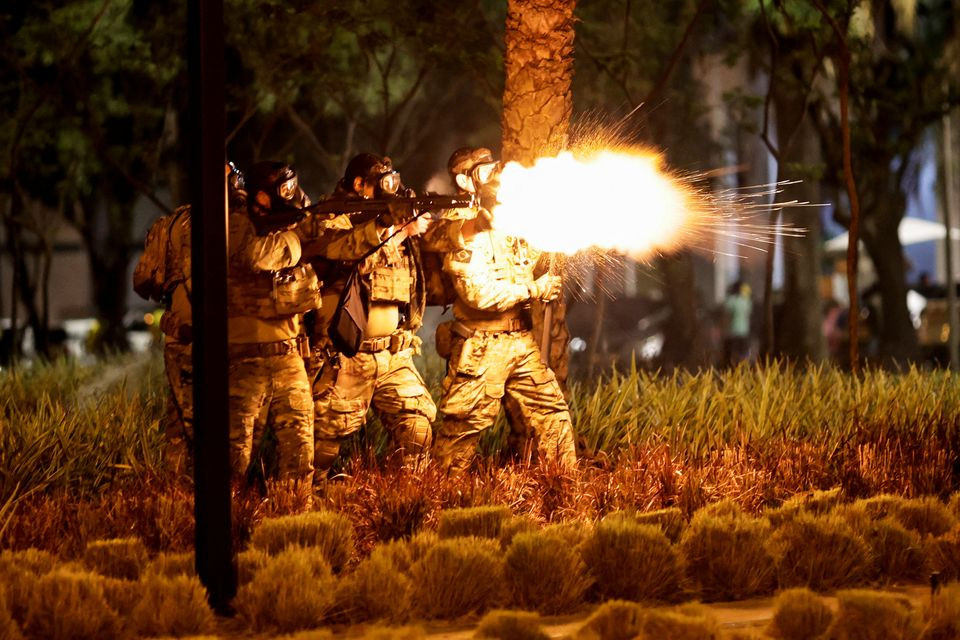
pixel 276 199
pixel 236 187
pixel 386 184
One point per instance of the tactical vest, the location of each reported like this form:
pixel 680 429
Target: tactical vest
pixel 392 282
pixel 273 294
pixel 159 269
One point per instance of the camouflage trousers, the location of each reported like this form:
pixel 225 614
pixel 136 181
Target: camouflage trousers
pixel 178 420
pixel 345 388
pixel 275 387
pixel 487 370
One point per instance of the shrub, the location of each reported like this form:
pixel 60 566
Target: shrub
pixel 515 525
pixel 35 561
pixel 312 634
pixel 70 606
pixel 121 558
pixel 403 554
pixel 171 607
pixel 895 553
pixel 375 590
pixel 121 595
pixel 726 558
pixel 868 614
pixel 941 618
pixel 631 561
pixel 293 591
pixel 511 625
pixel 328 531
pixel 545 572
pixel 820 552
pixel 943 554
pixel 799 614
pixel 879 506
pixel 678 625
pixel 458 576
pixel 18 586
pixel 813 502
pixel 725 507
pixel 926 516
pixel 670 521
pixel 9 629
pixel 171 565
pixel 482 522
pixel 395 633
pixel 248 563
pixel 954 504
pixel 613 620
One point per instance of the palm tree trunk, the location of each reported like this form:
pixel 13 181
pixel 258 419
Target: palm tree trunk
pixel 537 103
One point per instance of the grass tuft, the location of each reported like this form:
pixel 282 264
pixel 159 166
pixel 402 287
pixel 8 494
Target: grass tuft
pixel 327 531
pixel 868 614
pixel 799 614
pixel 726 557
pixel 395 633
pixel 954 504
pixel 170 565
pixel 678 625
pixel 813 502
pixel 122 558
pixel 819 552
pixel 943 554
pixel 293 591
pixel 941 617
pixel 458 576
pixel 375 590
pixel 70 606
pixel 9 629
pixel 928 516
pixel 631 561
pixel 172 607
pixel 613 620
pixel 481 522
pixel 511 625
pixel 545 573
pixel 35 561
pixel 896 553
pixel 403 554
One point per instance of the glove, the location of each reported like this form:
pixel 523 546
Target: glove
pixel 400 213
pixel 546 288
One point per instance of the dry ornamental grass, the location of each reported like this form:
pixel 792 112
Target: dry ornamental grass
pixel 631 561
pixel 799 614
pixel 458 576
pixel 545 573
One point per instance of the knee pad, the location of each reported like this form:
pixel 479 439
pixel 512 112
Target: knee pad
pixel 325 451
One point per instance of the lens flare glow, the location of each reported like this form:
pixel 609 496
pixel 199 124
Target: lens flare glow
pixel 623 201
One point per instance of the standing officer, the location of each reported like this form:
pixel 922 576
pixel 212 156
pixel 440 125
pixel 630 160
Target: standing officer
pixel 492 354
pixel 163 274
pixel 381 373
pixel 268 290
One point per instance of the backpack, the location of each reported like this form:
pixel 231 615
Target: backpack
pixel 154 277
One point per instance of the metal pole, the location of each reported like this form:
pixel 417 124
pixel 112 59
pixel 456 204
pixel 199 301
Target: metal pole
pixel 206 158
pixel 949 192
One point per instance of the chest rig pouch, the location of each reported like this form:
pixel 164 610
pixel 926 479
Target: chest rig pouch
pixel 392 282
pixel 296 290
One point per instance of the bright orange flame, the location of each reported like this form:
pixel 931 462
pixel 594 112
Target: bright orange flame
pixel 622 201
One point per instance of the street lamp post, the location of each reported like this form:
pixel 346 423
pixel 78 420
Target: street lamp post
pixel 206 158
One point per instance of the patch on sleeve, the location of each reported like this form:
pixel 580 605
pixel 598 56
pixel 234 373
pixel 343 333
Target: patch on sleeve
pixel 463 255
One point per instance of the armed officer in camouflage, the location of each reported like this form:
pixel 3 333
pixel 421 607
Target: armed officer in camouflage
pixel 163 274
pixel 268 291
pixel 381 373
pixel 493 357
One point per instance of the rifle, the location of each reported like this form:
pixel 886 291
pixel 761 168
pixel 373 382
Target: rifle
pixel 359 206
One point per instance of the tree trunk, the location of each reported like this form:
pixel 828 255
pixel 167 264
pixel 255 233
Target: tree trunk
pixel 800 334
pixel 897 338
pixel 537 103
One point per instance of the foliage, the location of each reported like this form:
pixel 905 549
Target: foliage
pixel 172 607
pixel 458 576
pixel 726 556
pixel 943 554
pixel 403 554
pixel 896 553
pixel 121 558
pixel 294 590
pixel 631 561
pixel 814 502
pixel 545 573
pixel 819 552
pixel 678 624
pixel 613 620
pixel 375 590
pixel 867 614
pixel 483 521
pixel 511 625
pixel 9 629
pixel 394 633
pixel 799 614
pixel 331 533
pixel 942 615
pixel 670 520
pixel 171 565
pixel 65 605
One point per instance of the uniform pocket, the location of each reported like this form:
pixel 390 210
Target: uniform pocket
pixel 470 361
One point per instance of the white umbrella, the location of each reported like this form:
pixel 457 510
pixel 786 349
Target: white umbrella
pixel 911 231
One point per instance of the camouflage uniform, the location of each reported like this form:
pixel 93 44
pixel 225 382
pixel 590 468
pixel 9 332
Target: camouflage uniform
pixel 176 326
pixel 493 355
pixel 382 374
pixel 267 292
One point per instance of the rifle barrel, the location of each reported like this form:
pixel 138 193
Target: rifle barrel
pixel 380 205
